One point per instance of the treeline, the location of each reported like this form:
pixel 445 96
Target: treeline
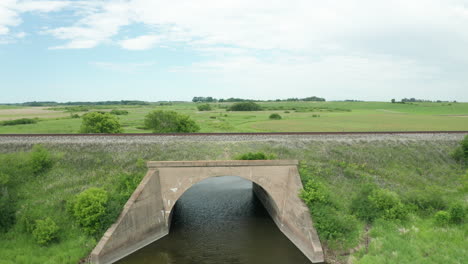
pixel 52 103
pixel 414 100
pixel 210 99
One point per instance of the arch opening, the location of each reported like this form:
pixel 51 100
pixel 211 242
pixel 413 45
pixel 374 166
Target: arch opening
pixel 221 220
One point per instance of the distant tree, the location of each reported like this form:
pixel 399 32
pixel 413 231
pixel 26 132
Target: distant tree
pixel 208 99
pixel 393 101
pixel 245 106
pixel 170 122
pixel 96 122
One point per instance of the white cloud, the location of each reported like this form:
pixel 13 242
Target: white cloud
pixel 140 43
pixel 8 17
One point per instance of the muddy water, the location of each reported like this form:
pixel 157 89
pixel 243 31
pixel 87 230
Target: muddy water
pixel 220 221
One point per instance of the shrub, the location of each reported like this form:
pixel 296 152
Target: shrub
pixel 118 112
pixel 334 225
pixel 74 115
pixel 255 156
pixel 457 213
pixel 204 107
pixel 45 231
pixel 427 200
pixel 442 218
pixel 22 121
pixel 245 106
pixel 372 203
pixel 275 116
pixel 170 122
pixel 461 152
pixel 388 204
pixel 7 213
pixel 96 122
pixel 90 208
pixel 314 192
pixel 41 159
pixel 286 112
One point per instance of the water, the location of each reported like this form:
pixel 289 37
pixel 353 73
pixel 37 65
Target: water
pixel 220 221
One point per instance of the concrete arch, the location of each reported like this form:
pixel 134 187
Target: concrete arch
pixel 146 215
pixel 267 200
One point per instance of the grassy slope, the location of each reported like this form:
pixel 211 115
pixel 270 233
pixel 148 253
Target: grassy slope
pixel 364 116
pixel 404 167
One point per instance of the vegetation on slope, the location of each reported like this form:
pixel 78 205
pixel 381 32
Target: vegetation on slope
pixel 422 174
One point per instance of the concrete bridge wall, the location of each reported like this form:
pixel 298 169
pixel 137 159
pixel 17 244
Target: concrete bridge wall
pixel 146 216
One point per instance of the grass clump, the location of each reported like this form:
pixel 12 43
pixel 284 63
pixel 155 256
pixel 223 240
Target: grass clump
pixel 90 208
pixel 275 116
pixel 21 121
pixel 45 231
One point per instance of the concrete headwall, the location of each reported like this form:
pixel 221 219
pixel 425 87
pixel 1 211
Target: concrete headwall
pixel 146 216
pixel 141 222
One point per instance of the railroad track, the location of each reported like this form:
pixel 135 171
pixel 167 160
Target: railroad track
pixel 238 134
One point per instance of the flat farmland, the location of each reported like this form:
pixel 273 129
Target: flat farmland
pixel 296 117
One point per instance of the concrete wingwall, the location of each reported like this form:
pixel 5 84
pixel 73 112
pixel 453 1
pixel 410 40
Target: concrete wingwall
pixel 146 216
pixel 141 222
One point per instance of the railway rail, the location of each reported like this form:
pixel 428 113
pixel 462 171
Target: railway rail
pixel 238 134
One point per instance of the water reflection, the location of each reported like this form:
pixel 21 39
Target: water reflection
pixel 220 220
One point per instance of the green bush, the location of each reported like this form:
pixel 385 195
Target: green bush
pixel 21 121
pixel 255 156
pixel 275 116
pixel 372 203
pixel 96 122
pixel 427 200
pixel 457 213
pixel 74 115
pixel 245 106
pixel 90 209
pixel 314 192
pixel 333 225
pixel 41 159
pixel 7 213
pixel 442 218
pixel 170 122
pixel 460 154
pixel 118 112
pixel 204 107
pixel 45 231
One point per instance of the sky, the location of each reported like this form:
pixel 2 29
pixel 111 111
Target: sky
pixel 152 50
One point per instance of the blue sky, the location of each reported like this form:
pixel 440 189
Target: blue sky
pixel 89 50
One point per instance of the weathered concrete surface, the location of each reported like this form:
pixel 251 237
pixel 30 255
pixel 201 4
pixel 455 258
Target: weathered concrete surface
pixel 276 183
pixel 141 222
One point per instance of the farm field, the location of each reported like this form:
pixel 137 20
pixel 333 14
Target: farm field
pixel 296 117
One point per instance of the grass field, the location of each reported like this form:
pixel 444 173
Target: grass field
pixel 405 167
pixel 296 117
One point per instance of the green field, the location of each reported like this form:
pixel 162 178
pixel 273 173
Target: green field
pixel 420 170
pixel 296 117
